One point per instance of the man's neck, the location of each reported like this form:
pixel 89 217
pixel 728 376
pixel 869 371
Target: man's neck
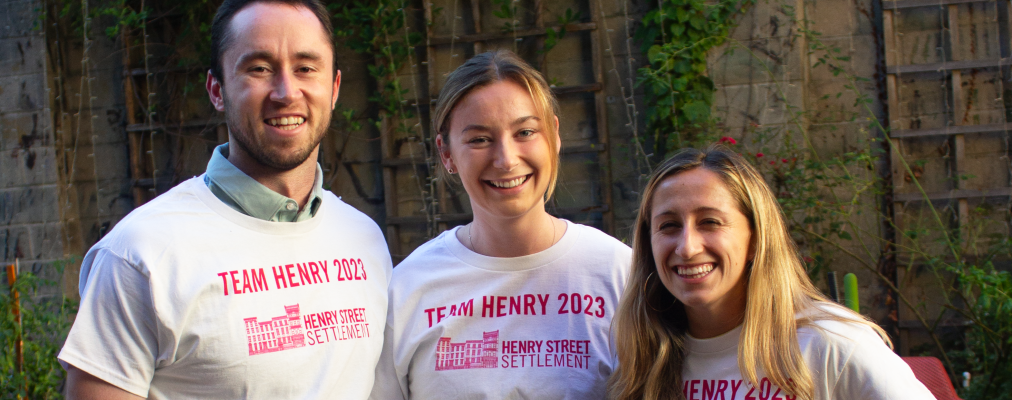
pixel 296 183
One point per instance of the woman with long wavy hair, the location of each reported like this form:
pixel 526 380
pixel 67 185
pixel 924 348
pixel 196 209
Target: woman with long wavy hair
pixel 518 303
pixel 719 305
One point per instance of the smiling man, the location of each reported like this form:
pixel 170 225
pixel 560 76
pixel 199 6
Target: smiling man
pixel 249 281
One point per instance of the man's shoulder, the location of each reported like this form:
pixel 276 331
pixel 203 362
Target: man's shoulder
pixel 179 201
pixel 345 214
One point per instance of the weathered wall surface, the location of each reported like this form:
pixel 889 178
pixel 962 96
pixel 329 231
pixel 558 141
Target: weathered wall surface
pixel 63 170
pixel 768 86
pixel 30 228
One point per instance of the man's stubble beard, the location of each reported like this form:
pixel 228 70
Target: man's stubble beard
pixel 241 128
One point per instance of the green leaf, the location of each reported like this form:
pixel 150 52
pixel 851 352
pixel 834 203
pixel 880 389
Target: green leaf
pixel 698 22
pixel 655 54
pixel 696 110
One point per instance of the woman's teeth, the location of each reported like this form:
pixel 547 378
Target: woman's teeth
pixel 286 123
pixel 510 183
pixel 698 271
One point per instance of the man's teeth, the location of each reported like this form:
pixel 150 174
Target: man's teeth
pixel 695 272
pixel 286 123
pixel 510 183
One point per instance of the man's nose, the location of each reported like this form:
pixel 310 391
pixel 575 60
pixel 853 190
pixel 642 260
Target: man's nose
pixel 286 88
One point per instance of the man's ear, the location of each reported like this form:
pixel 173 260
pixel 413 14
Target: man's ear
pixel 337 88
pixel 214 92
pixel 444 153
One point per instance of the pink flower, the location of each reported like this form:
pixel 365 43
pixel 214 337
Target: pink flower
pixel 758 155
pixel 784 160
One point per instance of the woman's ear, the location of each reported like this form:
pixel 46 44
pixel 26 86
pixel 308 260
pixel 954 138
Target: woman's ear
pixel 444 154
pixel 558 138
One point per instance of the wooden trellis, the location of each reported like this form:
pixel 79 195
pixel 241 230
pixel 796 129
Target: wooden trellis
pixel 448 207
pixel 936 52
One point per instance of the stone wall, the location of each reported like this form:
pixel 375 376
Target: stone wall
pixel 30 228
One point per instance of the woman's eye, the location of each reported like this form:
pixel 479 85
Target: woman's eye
pixel 526 132
pixel 667 225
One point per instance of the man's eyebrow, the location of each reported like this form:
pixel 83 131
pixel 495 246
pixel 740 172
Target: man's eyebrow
pixel 266 55
pixel 255 55
pixel 309 55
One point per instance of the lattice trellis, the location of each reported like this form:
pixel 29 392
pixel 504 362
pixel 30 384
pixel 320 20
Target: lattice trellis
pixel 947 66
pixel 452 38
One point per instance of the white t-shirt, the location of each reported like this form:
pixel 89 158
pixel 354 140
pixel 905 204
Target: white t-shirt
pixel 846 361
pixel 466 326
pixel 188 298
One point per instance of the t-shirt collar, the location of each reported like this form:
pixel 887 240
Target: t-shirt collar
pixel 246 195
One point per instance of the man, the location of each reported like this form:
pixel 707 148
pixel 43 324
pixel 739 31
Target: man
pixel 249 281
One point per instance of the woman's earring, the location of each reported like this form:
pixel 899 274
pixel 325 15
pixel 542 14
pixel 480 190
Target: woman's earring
pixel 450 170
pixel 646 297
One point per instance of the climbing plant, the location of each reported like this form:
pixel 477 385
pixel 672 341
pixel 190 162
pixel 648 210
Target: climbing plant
pixel 677 36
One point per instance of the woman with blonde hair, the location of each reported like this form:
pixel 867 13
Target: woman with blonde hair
pixel 516 304
pixel 719 305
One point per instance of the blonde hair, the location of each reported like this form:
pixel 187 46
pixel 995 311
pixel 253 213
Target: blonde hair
pixel 497 66
pixel 651 343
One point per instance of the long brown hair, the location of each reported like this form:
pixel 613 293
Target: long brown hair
pixel 496 66
pixel 651 341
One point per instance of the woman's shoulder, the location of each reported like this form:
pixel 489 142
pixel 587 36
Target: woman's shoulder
pixel 832 324
pixel 853 359
pixel 432 251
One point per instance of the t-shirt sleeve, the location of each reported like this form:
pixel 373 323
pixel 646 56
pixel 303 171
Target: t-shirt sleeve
pixel 114 336
pixel 389 384
pixel 873 371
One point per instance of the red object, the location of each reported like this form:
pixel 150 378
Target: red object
pixel 931 373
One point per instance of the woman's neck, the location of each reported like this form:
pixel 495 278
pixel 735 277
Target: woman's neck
pixel 716 320
pixel 530 233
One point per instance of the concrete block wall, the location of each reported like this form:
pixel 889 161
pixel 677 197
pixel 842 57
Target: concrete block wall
pixel 30 224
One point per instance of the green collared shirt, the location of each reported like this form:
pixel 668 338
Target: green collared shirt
pixel 246 195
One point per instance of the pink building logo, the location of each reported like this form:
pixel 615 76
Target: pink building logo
pixel 468 354
pixel 280 333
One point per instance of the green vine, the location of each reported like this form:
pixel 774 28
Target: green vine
pixel 553 35
pixel 382 29
pixel 677 36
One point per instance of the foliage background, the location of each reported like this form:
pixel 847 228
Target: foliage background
pixel 796 86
